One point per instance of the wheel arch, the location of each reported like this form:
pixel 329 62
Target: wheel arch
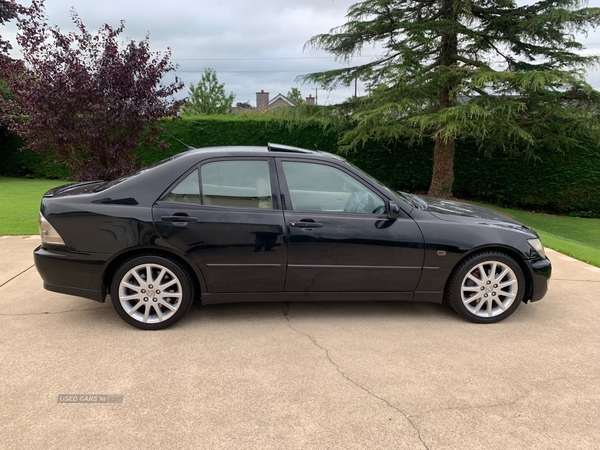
pixel 196 276
pixel 509 251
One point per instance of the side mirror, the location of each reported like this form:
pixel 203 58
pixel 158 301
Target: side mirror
pixel 393 210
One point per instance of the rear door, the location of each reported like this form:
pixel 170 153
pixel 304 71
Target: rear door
pixel 339 237
pixel 225 214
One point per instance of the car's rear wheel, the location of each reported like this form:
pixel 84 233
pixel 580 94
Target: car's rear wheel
pixel 151 292
pixel 487 287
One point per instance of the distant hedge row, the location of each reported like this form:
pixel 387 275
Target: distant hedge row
pixel 558 183
pixel 26 164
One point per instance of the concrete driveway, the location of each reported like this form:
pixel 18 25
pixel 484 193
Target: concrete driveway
pixel 304 376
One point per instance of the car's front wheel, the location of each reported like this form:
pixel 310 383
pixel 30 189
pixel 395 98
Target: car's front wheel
pixel 487 287
pixel 151 292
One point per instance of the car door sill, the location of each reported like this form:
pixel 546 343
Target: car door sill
pixel 257 297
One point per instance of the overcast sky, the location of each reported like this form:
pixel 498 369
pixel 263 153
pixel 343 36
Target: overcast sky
pixel 252 44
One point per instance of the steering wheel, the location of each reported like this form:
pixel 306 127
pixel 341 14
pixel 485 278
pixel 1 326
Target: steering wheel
pixel 350 205
pixel 360 202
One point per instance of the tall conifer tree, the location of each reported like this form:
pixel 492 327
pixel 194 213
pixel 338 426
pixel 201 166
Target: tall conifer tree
pixel 507 74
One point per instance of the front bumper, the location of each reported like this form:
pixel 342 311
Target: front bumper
pixel 78 274
pixel 540 270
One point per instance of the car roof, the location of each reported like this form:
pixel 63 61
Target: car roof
pixel 271 149
pixel 149 182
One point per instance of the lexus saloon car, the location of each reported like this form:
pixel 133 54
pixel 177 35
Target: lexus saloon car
pixel 278 223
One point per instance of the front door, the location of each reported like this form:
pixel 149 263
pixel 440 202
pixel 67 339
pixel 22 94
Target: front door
pixel 339 236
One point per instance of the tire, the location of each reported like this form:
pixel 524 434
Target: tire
pixel 487 287
pixel 151 292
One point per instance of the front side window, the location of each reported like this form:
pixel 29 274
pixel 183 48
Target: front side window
pixel 241 184
pixel 318 187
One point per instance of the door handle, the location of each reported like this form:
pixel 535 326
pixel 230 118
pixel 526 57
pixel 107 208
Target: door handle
pixel 180 219
pixel 306 224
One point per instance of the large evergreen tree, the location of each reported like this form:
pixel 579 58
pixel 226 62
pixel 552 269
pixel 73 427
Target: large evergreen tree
pixel 505 74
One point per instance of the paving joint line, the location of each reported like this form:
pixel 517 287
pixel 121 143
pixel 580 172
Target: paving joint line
pixel 51 312
pixel 17 275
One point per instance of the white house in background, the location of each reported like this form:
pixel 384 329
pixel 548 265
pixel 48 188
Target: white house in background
pixel 263 103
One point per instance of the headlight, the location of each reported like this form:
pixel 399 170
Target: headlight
pixel 49 235
pixel 537 245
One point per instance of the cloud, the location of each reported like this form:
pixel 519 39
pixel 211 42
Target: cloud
pixel 251 44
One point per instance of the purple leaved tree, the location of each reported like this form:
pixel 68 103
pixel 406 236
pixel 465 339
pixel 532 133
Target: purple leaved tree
pixel 85 98
pixel 8 11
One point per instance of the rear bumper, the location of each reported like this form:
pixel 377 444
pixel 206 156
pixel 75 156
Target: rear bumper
pixel 78 274
pixel 541 270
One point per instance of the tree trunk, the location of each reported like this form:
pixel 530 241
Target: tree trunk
pixel 443 154
pixel 443 168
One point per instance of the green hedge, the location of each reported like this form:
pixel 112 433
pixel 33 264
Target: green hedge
pixel 26 164
pixel 392 163
pixel 212 131
pixel 567 184
pixel 557 183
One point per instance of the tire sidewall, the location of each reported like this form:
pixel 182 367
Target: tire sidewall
pixel 178 271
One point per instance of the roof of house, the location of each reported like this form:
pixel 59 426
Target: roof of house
pixel 282 97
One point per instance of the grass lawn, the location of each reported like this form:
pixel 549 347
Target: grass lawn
pixel 573 236
pixel 20 204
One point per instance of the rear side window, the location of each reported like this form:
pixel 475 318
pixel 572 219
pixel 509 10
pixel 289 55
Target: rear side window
pixel 241 184
pixel 186 191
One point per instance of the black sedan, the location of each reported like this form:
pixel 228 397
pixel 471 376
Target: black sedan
pixel 278 223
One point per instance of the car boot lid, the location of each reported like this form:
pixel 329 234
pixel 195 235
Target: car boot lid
pixel 72 189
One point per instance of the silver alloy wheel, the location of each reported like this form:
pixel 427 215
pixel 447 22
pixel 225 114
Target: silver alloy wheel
pixel 489 289
pixel 150 293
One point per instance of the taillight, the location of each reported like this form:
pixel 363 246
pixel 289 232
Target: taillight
pixel 49 235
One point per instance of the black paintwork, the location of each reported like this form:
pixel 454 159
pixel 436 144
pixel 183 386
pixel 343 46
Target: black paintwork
pixel 245 254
